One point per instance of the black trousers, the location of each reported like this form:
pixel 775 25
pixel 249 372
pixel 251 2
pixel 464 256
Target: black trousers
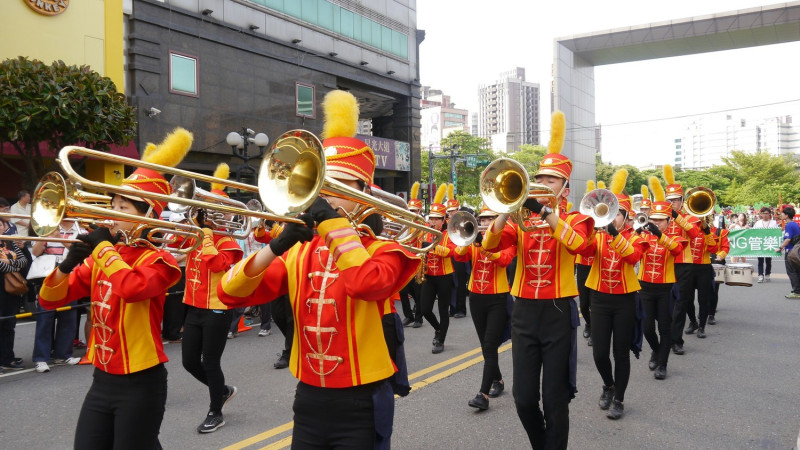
pixel 342 418
pixel 690 311
pixel 712 305
pixel 762 262
pixel 794 275
pixel 461 280
pixel 281 310
pixel 656 300
pixel 123 411
pixel 541 336
pixel 441 287
pixel 584 293
pixel 204 337
pixel 9 306
pixel 690 277
pixel 489 315
pixel 412 289
pixel 174 310
pixel 613 316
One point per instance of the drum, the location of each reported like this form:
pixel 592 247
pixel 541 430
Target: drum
pixel 739 274
pixel 719 272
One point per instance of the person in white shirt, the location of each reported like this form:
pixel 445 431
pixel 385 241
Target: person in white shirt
pixel 765 221
pixel 23 206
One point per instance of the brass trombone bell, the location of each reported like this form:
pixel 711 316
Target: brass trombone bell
pixel 462 228
pixel 505 186
pixel 291 173
pixel 700 201
pixel 601 205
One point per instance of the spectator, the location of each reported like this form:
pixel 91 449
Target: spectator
pixel 790 237
pixel 765 263
pixel 5 208
pixel 738 222
pixel 12 260
pixel 23 206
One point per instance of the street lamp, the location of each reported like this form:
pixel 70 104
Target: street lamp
pixel 239 142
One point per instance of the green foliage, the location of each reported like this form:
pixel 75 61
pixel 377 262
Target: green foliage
pixel 529 156
pixel 59 105
pixel 759 177
pixel 466 178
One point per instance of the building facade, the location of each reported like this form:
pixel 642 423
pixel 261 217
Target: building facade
pixel 440 117
pixel 508 111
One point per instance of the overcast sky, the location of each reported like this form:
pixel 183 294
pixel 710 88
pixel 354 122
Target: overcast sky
pixel 469 42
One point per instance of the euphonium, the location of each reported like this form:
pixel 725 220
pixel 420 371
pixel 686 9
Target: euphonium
pixel 601 205
pixel 462 228
pixel 505 186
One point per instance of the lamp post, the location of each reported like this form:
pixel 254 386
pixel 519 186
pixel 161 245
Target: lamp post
pixel 239 142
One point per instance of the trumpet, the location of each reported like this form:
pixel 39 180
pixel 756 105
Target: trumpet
pixel 639 220
pixel 505 186
pixel 462 228
pixel 601 205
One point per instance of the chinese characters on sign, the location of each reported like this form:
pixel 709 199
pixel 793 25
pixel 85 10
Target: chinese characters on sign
pixel 755 242
pixel 389 154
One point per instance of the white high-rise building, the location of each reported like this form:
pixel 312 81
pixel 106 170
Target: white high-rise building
pixel 508 111
pixel 439 118
pixel 709 139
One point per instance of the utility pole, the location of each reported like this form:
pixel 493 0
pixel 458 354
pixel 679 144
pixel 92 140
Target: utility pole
pixel 449 153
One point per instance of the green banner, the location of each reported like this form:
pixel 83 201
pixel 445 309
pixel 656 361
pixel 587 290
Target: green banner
pixel 755 242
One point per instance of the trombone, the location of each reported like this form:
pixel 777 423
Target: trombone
pixel 237 226
pixel 505 186
pixel 601 205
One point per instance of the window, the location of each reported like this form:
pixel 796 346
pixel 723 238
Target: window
pixel 183 74
pixel 304 100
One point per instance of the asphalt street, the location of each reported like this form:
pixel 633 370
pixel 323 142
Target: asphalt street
pixel 738 388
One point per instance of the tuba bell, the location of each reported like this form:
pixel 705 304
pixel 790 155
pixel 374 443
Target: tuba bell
pixel 601 205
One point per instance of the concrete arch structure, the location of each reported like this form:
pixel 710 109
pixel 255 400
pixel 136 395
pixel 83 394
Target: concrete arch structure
pixel 575 58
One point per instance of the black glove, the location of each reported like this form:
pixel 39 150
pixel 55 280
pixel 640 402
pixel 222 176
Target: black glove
pixel 653 228
pixel 612 230
pixel 704 226
pixel 479 239
pixel 200 219
pixel 674 214
pixel 533 205
pixel 321 211
pixel 293 233
pixel 77 253
pixel 98 235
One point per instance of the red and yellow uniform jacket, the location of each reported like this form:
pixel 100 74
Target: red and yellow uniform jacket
pixel 658 259
pixel 337 284
pixel 584 260
pixel 488 268
pixel 205 266
pixel 723 244
pixel 545 257
pixel 127 287
pixel 612 270
pixel 440 260
pixel 687 227
pixel 702 246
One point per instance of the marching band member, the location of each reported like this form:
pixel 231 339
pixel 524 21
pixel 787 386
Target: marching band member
pixel 687 227
pixel 337 281
pixel 127 286
pixel 458 304
pixel 207 318
pixel 719 257
pixel 412 289
pixel 488 292
pixel 646 204
pixel 438 285
pixel 545 316
pixel 613 285
pixel 583 265
pixel 657 276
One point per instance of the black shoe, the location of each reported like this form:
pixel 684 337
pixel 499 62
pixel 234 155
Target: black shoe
pixel 677 349
pixel 459 315
pixel 452 314
pixel 479 402
pixel 230 392
pixel 13 365
pixel 653 361
pixel 691 328
pixel 212 423
pixel 587 331
pixel 417 324
pixel 497 388
pixel 712 320
pixel 606 397
pixel 438 347
pixel 616 411
pixel 283 361
pixel 407 321
pixel 701 333
pixel 661 373
pixel 589 342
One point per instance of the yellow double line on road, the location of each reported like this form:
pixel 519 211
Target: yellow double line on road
pixel 287 441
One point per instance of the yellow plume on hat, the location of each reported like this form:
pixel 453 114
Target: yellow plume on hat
pixel 601 185
pixel 414 191
pixel 618 181
pixel 669 174
pixel 558 125
pixel 341 114
pixel 439 197
pixel 589 185
pixel 451 191
pixel 148 150
pixel 658 191
pixel 645 193
pixel 171 150
pixel 222 171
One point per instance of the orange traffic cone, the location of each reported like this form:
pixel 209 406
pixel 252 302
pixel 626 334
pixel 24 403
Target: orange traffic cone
pixel 242 326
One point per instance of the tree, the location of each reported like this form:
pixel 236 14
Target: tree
pixel 760 178
pixel 467 178
pixel 529 156
pixel 58 105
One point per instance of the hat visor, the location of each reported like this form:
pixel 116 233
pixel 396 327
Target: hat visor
pixel 550 172
pixel 436 214
pixel 673 196
pixel 659 216
pixel 333 173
